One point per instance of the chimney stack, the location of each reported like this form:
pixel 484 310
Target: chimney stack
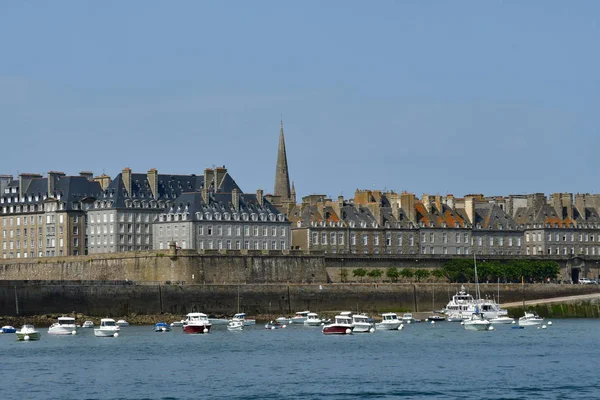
pixel 220 173
pixel 153 182
pixel 209 178
pixel 259 197
pixel 89 175
pixel 53 177
pixel 104 181
pixel 235 199
pixel 126 175
pixel 24 182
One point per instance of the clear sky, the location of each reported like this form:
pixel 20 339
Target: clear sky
pixel 492 97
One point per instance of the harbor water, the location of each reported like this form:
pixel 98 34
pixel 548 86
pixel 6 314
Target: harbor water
pixel 423 360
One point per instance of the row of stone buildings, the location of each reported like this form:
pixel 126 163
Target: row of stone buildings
pixel 59 215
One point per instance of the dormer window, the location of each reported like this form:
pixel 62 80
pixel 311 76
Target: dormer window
pixel 280 217
pixel 236 216
pixel 299 224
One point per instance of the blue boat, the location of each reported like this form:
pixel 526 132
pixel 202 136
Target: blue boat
pixel 162 327
pixel 8 329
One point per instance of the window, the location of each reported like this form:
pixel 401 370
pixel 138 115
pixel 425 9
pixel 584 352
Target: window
pixel 458 238
pixel 444 238
pixel 411 240
pixel 365 239
pixel 353 239
pixel 333 238
pixel 341 238
pixel 315 238
pixel 323 238
pixel 376 239
pixel 388 239
pixel 209 230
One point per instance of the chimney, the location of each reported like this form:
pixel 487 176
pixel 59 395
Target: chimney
pixel 407 203
pixel 450 201
pixel 235 199
pixel 426 200
pixel 104 181
pixel 209 177
pixel 259 197
pixel 24 182
pixel 438 203
pixel 53 177
pixel 567 201
pixel 556 203
pixel 153 182
pixel 205 195
pixel 89 175
pixel 220 172
pixel 126 175
pixel 470 207
pixel 580 204
pixel 396 211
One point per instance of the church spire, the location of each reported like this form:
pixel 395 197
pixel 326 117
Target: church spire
pixel 282 178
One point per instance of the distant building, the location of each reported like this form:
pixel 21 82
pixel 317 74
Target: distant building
pixel 284 195
pixel 45 217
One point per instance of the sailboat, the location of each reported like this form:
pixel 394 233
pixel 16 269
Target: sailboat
pixel 240 317
pixel 501 319
pixel 476 322
pixel 433 316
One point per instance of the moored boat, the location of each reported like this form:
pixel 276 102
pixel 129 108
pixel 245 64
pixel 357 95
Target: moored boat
pixel 28 332
pixel 407 318
pixel 275 325
pixel 502 320
pixel 300 317
pixel 312 319
pixel 162 327
pixel 64 326
pixel 8 329
pixel 477 323
pixel 196 323
pixel 122 323
pixel 88 324
pixel 530 319
pixel 342 325
pixel 234 325
pixel 389 322
pixel 241 317
pixel 108 328
pixel 361 324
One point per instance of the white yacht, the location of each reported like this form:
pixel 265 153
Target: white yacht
pixel 389 322
pixel 477 323
pixel 235 325
pixel 108 328
pixel 312 319
pixel 407 318
pixel 241 317
pixel 122 322
pixel 465 303
pixel 64 326
pixel 88 324
pixel 502 320
pixel 530 319
pixel 300 317
pixel 361 323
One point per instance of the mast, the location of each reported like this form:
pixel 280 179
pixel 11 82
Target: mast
pixel 477 292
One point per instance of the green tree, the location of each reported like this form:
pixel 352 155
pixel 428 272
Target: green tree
pixel 393 274
pixel 375 274
pixel 406 273
pixel 421 274
pixel 360 272
pixel 438 273
pixel 344 275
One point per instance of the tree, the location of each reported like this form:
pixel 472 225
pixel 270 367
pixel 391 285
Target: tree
pixel 344 275
pixel 438 273
pixel 360 272
pixel 406 273
pixel 393 274
pixel 375 274
pixel 422 274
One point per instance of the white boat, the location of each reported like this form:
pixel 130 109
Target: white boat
pixel 213 321
pixel 502 320
pixel 108 328
pixel 407 318
pixel 28 332
pixel 456 317
pixel 341 326
pixel 477 323
pixel 530 319
pixel 389 322
pixel 197 323
pixel 64 326
pixel 283 320
pixel 235 325
pixel 241 317
pixel 361 324
pixel 88 324
pixel 465 303
pixel 312 319
pixel 300 317
pixel 122 323
pixel 176 324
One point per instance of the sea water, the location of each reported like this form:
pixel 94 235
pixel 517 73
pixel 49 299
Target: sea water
pixel 424 360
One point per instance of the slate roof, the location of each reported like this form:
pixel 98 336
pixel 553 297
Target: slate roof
pixel 491 216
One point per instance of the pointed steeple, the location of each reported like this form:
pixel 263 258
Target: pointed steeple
pixel 282 178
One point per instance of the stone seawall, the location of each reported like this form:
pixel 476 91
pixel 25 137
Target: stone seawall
pixel 123 298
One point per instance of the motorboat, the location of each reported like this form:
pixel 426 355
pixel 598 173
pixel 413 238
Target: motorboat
pixel 88 324
pixel 122 323
pixel 361 324
pixel 465 303
pixel 502 320
pixel 530 319
pixel 235 325
pixel 196 323
pixel 456 317
pixel 162 327
pixel 435 318
pixel 312 319
pixel 8 329
pixel 477 323
pixel 64 326
pixel 389 322
pixel 284 320
pixel 300 317
pixel 342 325
pixel 407 318
pixel 28 332
pixel 215 321
pixel 242 318
pixel 275 325
pixel 108 328
pixel 177 324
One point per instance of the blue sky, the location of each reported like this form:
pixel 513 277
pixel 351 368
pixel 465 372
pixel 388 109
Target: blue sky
pixel 492 97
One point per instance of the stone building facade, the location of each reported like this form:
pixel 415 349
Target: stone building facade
pixel 45 216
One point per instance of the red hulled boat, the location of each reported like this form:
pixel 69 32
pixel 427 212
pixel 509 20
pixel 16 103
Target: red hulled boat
pixel 196 323
pixel 341 326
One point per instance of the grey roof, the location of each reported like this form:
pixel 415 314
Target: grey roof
pixel 491 216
